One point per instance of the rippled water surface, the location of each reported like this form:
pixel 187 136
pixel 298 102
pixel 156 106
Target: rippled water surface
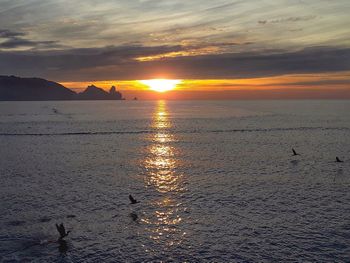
pixel 217 181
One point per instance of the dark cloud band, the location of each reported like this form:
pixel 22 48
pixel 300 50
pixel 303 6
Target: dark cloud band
pixel 12 40
pixel 119 63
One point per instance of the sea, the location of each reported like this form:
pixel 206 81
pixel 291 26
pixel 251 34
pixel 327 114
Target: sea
pixel 216 181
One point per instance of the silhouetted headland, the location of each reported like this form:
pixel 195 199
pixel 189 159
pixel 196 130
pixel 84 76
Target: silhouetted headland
pixel 35 89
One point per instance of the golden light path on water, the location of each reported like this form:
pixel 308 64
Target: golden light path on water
pixel 162 176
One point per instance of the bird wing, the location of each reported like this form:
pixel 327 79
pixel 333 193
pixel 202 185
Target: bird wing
pixel 131 198
pixel 294 152
pixel 63 229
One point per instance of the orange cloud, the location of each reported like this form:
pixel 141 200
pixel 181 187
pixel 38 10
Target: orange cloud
pixel 185 53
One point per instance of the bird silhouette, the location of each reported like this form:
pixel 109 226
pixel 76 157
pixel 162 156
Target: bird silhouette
pixel 338 160
pixel 62 231
pixel 133 200
pixel 295 153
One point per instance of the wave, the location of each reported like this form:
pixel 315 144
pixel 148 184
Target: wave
pixel 283 129
pixel 178 131
pixel 75 133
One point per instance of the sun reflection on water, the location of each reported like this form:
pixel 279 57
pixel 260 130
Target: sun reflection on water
pixel 160 119
pixel 161 162
pixel 161 175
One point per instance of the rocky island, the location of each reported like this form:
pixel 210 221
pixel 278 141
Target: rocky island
pixel 94 93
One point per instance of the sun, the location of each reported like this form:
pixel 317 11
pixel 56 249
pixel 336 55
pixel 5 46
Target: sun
pixel 161 85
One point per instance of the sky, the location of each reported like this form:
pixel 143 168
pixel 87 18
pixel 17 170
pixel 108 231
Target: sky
pixel 220 49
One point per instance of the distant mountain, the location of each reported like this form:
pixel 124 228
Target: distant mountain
pixel 21 89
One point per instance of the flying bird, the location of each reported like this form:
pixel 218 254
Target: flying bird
pixel 62 231
pixel 133 200
pixel 295 153
pixel 338 160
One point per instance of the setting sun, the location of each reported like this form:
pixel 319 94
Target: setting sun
pixel 161 85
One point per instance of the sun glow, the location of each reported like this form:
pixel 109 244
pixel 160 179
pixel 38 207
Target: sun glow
pixel 161 85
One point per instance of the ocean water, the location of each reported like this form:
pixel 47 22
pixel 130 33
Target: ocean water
pixel 216 181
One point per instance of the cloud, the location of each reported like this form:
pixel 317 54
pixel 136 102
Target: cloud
pixel 20 42
pixel 258 64
pixel 40 63
pixel 170 22
pixel 288 19
pixel 4 33
pixel 119 63
pixel 12 40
